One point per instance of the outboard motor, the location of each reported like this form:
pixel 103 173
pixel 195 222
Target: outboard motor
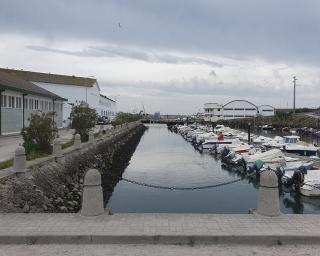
pixel 296 181
pixel 303 169
pixel 255 168
pixel 224 153
pixel 279 171
pixel 242 163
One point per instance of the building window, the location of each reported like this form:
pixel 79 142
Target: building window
pixel 46 105
pixel 31 104
pixel 18 102
pixel 36 104
pixel 26 103
pixel 4 101
pixel 11 101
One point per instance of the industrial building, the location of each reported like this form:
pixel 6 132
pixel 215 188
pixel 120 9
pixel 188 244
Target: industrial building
pixel 73 88
pixel 235 109
pixel 19 99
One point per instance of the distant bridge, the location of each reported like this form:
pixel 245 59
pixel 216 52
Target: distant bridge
pixel 163 121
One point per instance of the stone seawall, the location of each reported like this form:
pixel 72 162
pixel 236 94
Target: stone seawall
pixel 57 187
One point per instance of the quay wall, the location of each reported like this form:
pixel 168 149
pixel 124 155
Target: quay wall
pixel 57 187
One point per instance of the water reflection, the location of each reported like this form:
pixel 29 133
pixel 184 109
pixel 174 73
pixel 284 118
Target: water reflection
pixel 166 159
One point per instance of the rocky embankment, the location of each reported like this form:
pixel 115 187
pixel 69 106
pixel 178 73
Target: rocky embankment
pixel 58 188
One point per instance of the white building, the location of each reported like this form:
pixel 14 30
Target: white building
pixel 235 109
pixel 213 111
pixel 74 89
pixel 19 99
pixel 107 107
pixel 266 110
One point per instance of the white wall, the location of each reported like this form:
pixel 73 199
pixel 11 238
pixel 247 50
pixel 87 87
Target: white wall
pixel 266 110
pixel 235 109
pixel 107 108
pixel 239 109
pixel 74 94
pixel 12 116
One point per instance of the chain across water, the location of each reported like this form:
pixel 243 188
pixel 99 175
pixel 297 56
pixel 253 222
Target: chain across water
pixel 180 188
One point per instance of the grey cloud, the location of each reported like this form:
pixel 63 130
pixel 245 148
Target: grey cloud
pixel 82 53
pixel 200 87
pixel 286 30
pixel 213 73
pixel 127 52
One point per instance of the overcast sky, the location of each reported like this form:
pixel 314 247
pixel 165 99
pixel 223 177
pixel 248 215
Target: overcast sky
pixel 171 56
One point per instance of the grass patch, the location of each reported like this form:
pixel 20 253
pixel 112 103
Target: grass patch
pixel 67 144
pixel 34 155
pixel 6 164
pixel 97 135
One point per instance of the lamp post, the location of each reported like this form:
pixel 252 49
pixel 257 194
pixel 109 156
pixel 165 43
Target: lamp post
pixel 249 131
pixel 294 94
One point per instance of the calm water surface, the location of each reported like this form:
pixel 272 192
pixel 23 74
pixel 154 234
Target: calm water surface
pixel 165 158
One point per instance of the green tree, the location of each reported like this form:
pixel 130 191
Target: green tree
pixel 40 133
pixel 83 119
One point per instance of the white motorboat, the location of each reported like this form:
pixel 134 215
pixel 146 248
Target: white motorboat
pixel 212 143
pixel 311 182
pixel 276 142
pixel 311 188
pixel 261 139
pixel 205 136
pixel 301 148
pixel 271 156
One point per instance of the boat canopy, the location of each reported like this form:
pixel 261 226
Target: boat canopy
pixel 291 139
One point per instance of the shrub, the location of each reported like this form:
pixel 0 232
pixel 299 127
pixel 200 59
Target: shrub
pixel 122 118
pixel 40 133
pixel 83 119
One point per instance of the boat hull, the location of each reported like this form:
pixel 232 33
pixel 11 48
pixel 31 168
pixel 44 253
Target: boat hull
pixel 302 152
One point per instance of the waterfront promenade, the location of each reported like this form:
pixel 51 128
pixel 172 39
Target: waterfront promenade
pixel 186 229
pixel 153 234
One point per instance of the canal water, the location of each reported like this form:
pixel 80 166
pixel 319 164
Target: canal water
pixel 164 158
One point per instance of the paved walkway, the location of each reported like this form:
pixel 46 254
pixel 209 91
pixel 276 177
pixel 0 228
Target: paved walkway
pixel 157 250
pixel 9 143
pixel 189 229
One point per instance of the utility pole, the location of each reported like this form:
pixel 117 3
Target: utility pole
pixel 294 94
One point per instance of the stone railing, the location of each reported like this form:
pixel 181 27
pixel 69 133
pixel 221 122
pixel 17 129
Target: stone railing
pixel 268 195
pixel 22 168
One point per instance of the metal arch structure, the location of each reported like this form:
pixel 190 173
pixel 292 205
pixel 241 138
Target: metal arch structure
pixel 240 101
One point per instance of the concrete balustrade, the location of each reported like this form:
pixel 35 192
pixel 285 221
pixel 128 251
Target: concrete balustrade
pixel 268 195
pixel 20 162
pixel 91 137
pixel 92 198
pixel 57 151
pixel 77 141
